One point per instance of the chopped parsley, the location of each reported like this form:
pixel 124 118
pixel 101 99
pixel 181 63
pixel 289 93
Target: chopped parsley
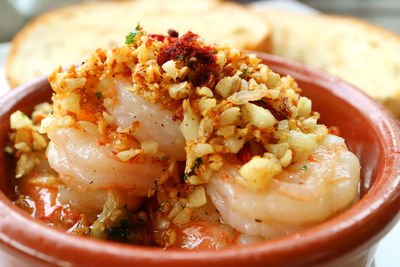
pixel 121 231
pixel 261 101
pixel 246 70
pixel 99 95
pixel 164 158
pixel 304 168
pixel 130 38
pixel 213 51
pixel 197 163
pixel 192 60
pixel 181 57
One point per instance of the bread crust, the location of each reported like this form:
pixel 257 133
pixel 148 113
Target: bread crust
pixel 19 38
pixel 356 51
pixel 13 70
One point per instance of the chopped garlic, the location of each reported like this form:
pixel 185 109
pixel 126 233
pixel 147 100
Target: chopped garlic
pixel 108 118
pixel 204 91
pixel 203 149
pixel 71 102
pixel 19 120
pixel 197 198
pixel 191 122
pixel 234 144
pixel 226 86
pixel 258 116
pixel 230 116
pixel 304 106
pixel 206 104
pixel 170 68
pixel 72 84
pixel 286 158
pixel 179 91
pixel 257 173
pixel 128 154
pixel 150 147
pixel 302 143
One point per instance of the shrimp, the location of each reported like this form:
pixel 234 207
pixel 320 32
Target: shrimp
pixel 307 192
pixel 155 123
pixel 81 161
pixel 204 230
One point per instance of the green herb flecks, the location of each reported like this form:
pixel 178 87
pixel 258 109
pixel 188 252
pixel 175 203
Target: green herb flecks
pixel 164 158
pixel 246 70
pixel 180 57
pixel 304 167
pixel 192 60
pixel 213 51
pixel 130 38
pixel 196 165
pixel 99 95
pixel 261 101
pixel 122 231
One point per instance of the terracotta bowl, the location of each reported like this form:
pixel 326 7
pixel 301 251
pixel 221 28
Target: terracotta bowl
pixel 349 239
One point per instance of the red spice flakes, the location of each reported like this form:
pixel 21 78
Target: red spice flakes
pixel 178 114
pixel 334 130
pixel 158 37
pixel 311 158
pixel 199 58
pixel 245 154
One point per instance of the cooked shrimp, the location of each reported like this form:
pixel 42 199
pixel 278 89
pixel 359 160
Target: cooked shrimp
pixel 91 202
pixel 155 123
pixel 204 230
pixel 303 194
pixel 82 162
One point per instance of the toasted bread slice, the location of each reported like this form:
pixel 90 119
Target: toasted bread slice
pixel 68 35
pixel 362 54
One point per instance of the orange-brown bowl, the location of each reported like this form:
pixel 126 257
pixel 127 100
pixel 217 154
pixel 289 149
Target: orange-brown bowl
pixel 349 239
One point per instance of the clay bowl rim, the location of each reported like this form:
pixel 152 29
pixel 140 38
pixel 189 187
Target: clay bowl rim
pixel 362 223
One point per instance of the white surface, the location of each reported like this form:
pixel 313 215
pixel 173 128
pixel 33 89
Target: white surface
pixel 388 252
pixel 4 86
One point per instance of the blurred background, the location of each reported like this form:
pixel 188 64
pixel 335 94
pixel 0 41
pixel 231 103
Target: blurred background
pixel 15 13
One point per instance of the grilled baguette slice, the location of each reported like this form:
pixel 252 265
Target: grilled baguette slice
pixel 362 54
pixel 69 35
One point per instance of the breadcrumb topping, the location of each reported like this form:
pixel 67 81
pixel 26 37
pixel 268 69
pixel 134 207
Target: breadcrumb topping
pixel 229 104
